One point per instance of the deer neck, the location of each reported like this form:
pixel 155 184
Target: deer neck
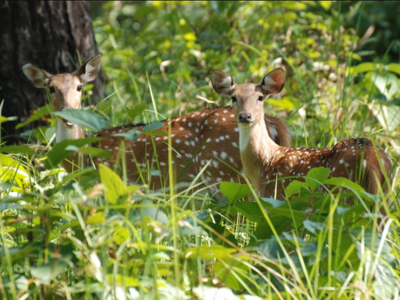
pixel 256 150
pixel 65 132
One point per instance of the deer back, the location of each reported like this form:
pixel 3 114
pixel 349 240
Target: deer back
pixel 209 135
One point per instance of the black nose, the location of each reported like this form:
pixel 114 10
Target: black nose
pixel 244 117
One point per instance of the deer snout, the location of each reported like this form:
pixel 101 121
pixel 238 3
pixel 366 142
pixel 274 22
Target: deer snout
pixel 244 117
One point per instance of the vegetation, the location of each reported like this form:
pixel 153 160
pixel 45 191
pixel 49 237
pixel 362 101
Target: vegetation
pixel 88 235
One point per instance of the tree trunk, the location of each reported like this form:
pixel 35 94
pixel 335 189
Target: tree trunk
pixel 52 35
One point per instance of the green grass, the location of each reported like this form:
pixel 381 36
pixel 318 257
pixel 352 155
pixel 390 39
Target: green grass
pixel 89 235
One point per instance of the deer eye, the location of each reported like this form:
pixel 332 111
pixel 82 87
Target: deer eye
pixel 79 88
pixel 52 89
pixel 260 98
pixel 233 99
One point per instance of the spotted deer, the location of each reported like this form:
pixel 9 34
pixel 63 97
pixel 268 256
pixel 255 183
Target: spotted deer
pixel 211 133
pixel 265 162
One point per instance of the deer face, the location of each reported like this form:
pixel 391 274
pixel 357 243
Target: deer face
pixel 248 99
pixel 247 104
pixel 65 89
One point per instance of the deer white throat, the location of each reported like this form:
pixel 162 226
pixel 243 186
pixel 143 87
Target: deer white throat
pixel 256 150
pixel 65 132
pixel 244 136
pixel 255 139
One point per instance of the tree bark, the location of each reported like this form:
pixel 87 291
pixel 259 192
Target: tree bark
pixel 53 35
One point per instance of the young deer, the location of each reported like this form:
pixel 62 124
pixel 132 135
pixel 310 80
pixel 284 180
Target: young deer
pixel 264 161
pixel 212 132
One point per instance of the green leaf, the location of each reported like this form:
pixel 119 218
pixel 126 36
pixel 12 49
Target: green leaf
pixel 354 213
pixel 231 280
pixel 298 216
pixel 121 235
pixel 149 129
pixel 322 204
pixel 395 68
pixel 294 5
pixel 234 191
pixel 296 205
pixel 387 84
pixel 210 252
pixel 5 119
pixel 271 249
pixel 364 67
pixel 343 182
pixel 63 183
pixel 294 187
pixel 115 188
pixel 96 218
pixel 325 4
pixel 154 212
pixel 317 176
pixel 41 208
pixel 250 210
pixel 4 206
pixel 354 55
pixel 309 248
pixel 17 149
pixel 280 223
pixel 87 118
pixel 373 241
pixel 342 242
pixel 125 281
pixel 273 202
pixel 40 113
pixel 313 227
pixel 388 115
pixel 63 149
pixel 96 152
pixel 136 109
pixel 152 126
pixel 12 170
pixel 20 252
pixel 130 135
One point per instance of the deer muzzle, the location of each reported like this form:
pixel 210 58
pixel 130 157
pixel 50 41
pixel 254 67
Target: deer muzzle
pixel 244 117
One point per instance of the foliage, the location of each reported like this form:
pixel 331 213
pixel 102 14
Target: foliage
pixel 90 235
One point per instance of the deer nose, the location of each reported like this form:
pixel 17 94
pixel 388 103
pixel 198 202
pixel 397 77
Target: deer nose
pixel 244 117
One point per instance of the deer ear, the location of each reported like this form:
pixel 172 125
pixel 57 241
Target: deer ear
pixel 40 78
pixel 222 82
pixel 89 70
pixel 274 81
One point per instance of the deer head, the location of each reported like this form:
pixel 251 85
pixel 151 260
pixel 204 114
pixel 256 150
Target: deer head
pixel 65 88
pixel 65 91
pixel 246 97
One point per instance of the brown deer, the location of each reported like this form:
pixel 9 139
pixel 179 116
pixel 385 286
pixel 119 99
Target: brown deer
pixel 264 161
pixel 211 133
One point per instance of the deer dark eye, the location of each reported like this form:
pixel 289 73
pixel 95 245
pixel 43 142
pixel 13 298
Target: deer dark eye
pixel 79 88
pixel 52 89
pixel 260 98
pixel 233 99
